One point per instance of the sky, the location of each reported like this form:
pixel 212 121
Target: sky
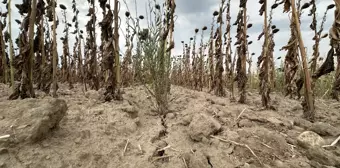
pixel 193 14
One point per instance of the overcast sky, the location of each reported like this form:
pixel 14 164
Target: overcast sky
pixel 196 14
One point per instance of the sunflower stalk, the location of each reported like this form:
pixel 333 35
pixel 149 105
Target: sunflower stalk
pixel 4 67
pixel 219 82
pixel 54 49
pixel 31 42
pixel 11 44
pixel 194 59
pixel 328 65
pixel 308 102
pixel 211 53
pixel 199 65
pixel 241 63
pixel 291 62
pixel 228 48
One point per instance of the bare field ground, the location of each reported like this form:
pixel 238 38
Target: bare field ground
pixel 200 131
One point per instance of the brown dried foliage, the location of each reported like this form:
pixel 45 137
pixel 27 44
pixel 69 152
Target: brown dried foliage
pixel 24 62
pixel 193 72
pixel 109 54
pixel 263 61
pixel 228 46
pixel 241 76
pixel 211 55
pixel 291 63
pixel 91 49
pixel 4 61
pixel 218 80
pixel 328 65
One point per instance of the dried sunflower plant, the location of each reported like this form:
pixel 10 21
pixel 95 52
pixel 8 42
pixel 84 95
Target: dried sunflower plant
pixel 24 62
pixel 308 102
pixel 328 65
pixel 266 60
pixel 291 62
pixel 241 63
pixel 4 58
pixel 218 80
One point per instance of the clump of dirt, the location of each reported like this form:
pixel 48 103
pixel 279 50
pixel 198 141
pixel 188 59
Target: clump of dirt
pixel 201 130
pixel 202 126
pixel 30 120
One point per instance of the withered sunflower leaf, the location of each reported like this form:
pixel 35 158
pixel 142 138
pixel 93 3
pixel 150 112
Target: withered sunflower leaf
pixel 63 7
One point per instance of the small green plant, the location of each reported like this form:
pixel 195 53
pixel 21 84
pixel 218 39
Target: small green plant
pixel 157 42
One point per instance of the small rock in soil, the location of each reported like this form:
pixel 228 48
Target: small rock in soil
pixel 203 126
pixel 280 164
pixel 325 129
pixel 323 156
pixel 302 123
pixel 246 165
pixel 196 160
pixel 85 134
pixel 274 121
pixel 92 94
pixel 137 121
pixel 3 165
pixel 129 127
pixel 297 108
pixel 294 133
pixel 170 116
pixel 205 140
pixel 298 129
pixel 309 139
pixel 219 102
pixel 257 101
pixel 160 145
pixel 291 141
pixel 3 151
pixel 232 135
pixel 211 101
pixel 77 140
pixel 316 164
pixel 132 111
pixel 337 107
pixel 245 123
pixel 186 120
pixel 45 144
pixel 77 118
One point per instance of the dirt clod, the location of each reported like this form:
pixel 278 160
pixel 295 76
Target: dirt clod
pixel 279 164
pixel 186 120
pixel 325 129
pixel 298 121
pixel 31 120
pixel 3 151
pixel 323 156
pixel 3 165
pixel 196 160
pixel 203 125
pixel 170 115
pixel 92 94
pixel 131 111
